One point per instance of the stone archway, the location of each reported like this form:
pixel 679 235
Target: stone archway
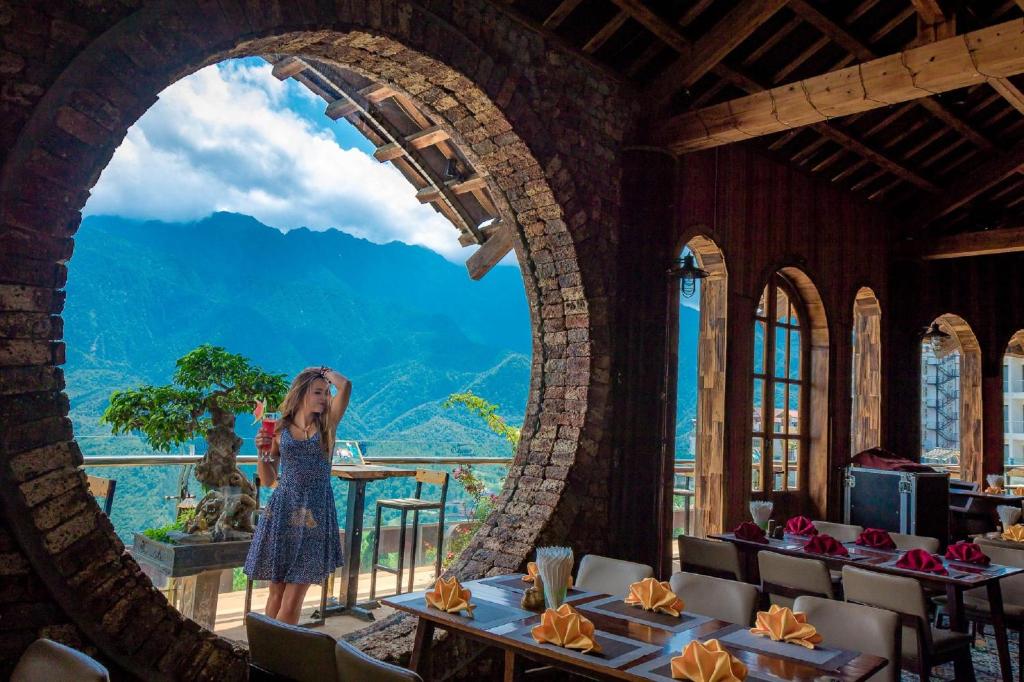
pixel 497 95
pixel 865 428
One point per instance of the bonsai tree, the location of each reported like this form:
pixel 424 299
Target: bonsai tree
pixel 210 387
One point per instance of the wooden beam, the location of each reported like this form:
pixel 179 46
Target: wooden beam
pixel 426 138
pixel 492 251
pixel 996 51
pixel 340 108
pixel 861 51
pixel 929 11
pixel 467 239
pixel 667 33
pixel 1010 92
pixel 428 194
pixel 713 46
pixel 874 157
pixel 288 67
pixel 606 32
pixel 391 150
pixel 376 93
pixel 559 14
pixel 987 243
pixel 978 181
pixel 473 182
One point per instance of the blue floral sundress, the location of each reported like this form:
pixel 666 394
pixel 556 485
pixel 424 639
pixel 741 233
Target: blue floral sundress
pixel 296 540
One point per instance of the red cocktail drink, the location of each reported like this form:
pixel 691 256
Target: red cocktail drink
pixel 267 428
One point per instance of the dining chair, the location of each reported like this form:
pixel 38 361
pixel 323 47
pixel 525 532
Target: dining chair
pixel 280 650
pixel 856 627
pixel 709 557
pixel 719 598
pixel 45 661
pixel 905 542
pixel 355 666
pixel 609 576
pixel 102 488
pixel 843 532
pixel 976 605
pixel 784 578
pixel 922 645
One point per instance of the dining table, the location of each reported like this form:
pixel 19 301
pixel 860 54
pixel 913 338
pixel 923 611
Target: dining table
pixel 357 476
pixel 635 644
pixel 961 576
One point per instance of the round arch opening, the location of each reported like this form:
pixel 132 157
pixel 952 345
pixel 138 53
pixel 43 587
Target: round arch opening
pixel 59 155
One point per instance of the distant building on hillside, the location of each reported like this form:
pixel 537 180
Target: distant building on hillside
pixel 1013 411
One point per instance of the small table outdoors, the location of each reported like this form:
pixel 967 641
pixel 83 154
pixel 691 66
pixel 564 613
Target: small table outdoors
pixel 962 576
pixel 357 476
pixel 637 645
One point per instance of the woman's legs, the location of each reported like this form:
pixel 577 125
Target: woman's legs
pixel 291 602
pixel 274 600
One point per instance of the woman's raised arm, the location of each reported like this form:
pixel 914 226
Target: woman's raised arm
pixel 339 403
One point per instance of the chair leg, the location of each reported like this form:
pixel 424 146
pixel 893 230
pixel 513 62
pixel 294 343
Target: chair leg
pixel 401 551
pixel 376 556
pixel 964 666
pixel 440 544
pixel 415 546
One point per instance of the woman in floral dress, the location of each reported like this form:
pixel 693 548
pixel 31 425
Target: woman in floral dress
pixel 296 543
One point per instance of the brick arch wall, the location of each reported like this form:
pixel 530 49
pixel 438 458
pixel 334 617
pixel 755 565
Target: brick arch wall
pixel 544 127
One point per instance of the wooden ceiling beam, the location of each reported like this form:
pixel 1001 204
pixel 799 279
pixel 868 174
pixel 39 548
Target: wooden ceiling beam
pixel 995 51
pixel 981 178
pixel 287 67
pixel 929 10
pixel 606 32
pixel 862 51
pixel 967 244
pixel 558 15
pixel 1010 92
pixel 713 46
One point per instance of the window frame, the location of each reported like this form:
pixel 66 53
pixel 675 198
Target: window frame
pixel 767 435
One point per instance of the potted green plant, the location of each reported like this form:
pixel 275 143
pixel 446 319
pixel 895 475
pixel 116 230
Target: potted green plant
pixel 210 387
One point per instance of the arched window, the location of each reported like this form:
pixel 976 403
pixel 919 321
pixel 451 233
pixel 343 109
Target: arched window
pixel 1013 410
pixel 781 390
pixel 866 405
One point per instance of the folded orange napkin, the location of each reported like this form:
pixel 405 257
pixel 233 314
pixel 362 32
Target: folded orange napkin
pixel 565 627
pixel 651 595
pixel 448 595
pixel 532 572
pixel 707 662
pixel 993 490
pixel 781 624
pixel 1014 533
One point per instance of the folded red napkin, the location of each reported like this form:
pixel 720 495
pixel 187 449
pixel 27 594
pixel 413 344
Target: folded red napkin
pixel 800 525
pixel 750 531
pixel 967 551
pixel 920 560
pixel 876 539
pixel 825 544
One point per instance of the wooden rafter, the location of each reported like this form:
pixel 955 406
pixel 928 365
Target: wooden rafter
pixel 607 31
pixel 981 179
pixel 493 250
pixel 996 51
pixel 989 242
pixel 861 51
pixel 929 10
pixel 1010 92
pixel 558 15
pixel 713 46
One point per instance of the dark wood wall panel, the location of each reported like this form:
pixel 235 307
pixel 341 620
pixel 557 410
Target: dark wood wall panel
pixel 765 216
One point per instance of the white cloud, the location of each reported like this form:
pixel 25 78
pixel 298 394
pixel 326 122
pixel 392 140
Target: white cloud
pixel 224 139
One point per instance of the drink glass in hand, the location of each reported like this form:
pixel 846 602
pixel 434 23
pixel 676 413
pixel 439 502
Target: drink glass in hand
pixel 267 429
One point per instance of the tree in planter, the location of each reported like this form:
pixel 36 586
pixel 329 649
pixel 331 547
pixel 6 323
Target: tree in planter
pixel 210 387
pixel 482 501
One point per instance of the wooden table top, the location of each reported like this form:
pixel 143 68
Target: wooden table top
pixel 636 643
pixel 368 472
pixel 996 538
pixel 961 574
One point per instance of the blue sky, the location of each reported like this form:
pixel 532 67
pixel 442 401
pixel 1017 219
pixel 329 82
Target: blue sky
pixel 231 137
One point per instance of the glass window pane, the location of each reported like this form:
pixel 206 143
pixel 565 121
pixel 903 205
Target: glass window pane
pixel 755 469
pixel 762 305
pixel 777 481
pixel 758 405
pixel 779 409
pixel 793 482
pixel 794 354
pixel 758 347
pixel 794 409
pixel 780 352
pixel 793 461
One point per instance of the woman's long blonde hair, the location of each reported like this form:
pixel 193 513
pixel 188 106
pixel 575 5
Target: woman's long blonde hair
pixel 293 401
